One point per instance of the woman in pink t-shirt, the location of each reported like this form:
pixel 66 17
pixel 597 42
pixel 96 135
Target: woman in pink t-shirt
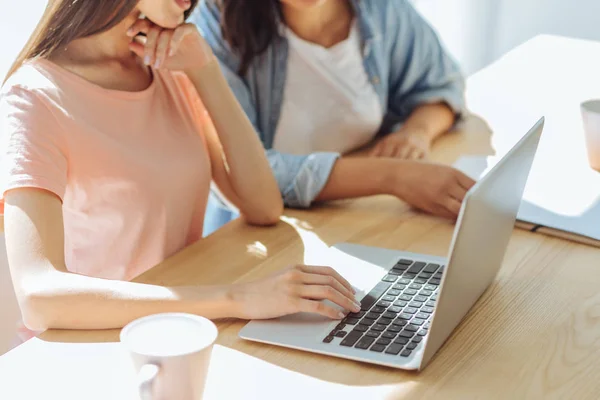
pixel 114 127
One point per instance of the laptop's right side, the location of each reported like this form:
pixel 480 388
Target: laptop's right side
pixel 484 228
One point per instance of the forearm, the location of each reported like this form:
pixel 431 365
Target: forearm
pixel 354 177
pixel 62 300
pixel 248 169
pixel 431 120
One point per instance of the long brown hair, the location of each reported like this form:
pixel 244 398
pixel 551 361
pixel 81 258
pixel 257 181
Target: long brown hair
pixel 249 26
pixel 68 20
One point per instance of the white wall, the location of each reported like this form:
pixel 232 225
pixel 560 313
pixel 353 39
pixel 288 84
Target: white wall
pixel 477 32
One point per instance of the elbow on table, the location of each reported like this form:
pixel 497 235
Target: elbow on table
pixel 36 312
pixel 265 215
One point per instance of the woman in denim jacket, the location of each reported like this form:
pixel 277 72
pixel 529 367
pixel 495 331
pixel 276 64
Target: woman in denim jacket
pixel 320 79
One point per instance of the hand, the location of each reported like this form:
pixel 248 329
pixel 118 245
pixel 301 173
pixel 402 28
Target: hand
pixel 404 144
pixel 298 289
pixel 437 189
pixel 182 48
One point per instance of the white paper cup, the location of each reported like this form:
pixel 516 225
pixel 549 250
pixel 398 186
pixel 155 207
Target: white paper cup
pixel 171 354
pixel 590 111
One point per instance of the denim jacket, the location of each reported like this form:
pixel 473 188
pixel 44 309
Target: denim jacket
pixel 402 56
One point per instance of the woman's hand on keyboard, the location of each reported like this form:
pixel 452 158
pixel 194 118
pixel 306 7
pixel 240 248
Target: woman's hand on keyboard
pixel 298 289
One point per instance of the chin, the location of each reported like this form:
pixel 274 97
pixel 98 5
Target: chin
pixel 166 22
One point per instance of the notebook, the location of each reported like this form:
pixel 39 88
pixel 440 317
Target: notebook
pixel 561 199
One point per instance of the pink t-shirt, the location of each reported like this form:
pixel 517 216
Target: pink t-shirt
pixel 131 168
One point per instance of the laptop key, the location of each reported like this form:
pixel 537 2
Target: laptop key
pixel 378 327
pixel 420 280
pixel 405 316
pixel 410 310
pixel 400 303
pixel 384 321
pixel 405 261
pixel 340 326
pixel 417 339
pixel 393 292
pixel 430 303
pixel 351 321
pixel 389 314
pixel 431 268
pixel 367 322
pixel 389 298
pixel 378 348
pixel 395 309
pixel 434 281
pixel 415 286
pixel 411 328
pixel 422 332
pixel 400 322
pixel 384 303
pixel 396 272
pixel 384 341
pixel 389 335
pixel 430 287
pixel 372 316
pixel 416 267
pixel 401 340
pixel 399 286
pixel 411 346
pixel 417 321
pixel 351 339
pixel 407 334
pixel 371 298
pixel 359 314
pixel 372 334
pixel 405 297
pixel 389 278
pixel 420 298
pixel 426 293
pixel 394 349
pixel 365 343
pixel 408 275
pixel 427 310
pixel 410 292
pixel 404 281
pixel 377 309
pixel 424 275
pixel 328 339
pixel 340 334
pixel 360 328
pixel 415 304
pixel 394 328
pixel 406 353
pixel 422 316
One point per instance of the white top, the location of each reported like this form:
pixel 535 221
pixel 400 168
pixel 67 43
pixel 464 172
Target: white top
pixel 329 103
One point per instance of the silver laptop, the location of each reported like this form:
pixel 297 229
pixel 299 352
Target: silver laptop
pixel 411 303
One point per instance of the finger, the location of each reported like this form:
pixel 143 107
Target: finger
pixel 328 271
pixel 137 48
pixel 389 150
pixel 162 46
pixel 318 307
pixel 320 292
pixel 457 192
pixel 376 151
pixel 464 180
pixel 315 279
pixel 178 36
pixel 416 154
pixel 442 211
pixel 140 26
pixel 150 48
pixel 405 152
pixel 452 206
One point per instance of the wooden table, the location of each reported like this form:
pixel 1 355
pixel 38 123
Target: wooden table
pixel 534 334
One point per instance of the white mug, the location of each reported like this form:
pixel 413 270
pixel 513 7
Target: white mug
pixel 590 111
pixel 171 353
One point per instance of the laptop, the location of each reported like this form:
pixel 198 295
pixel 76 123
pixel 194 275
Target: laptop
pixel 411 303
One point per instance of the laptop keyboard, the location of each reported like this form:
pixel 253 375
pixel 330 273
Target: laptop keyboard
pixel 395 315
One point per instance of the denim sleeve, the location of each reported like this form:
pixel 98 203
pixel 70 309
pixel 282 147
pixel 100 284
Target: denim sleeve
pixel 421 71
pixel 300 178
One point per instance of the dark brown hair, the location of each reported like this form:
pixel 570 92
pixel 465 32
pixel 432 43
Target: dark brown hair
pixel 249 26
pixel 68 20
